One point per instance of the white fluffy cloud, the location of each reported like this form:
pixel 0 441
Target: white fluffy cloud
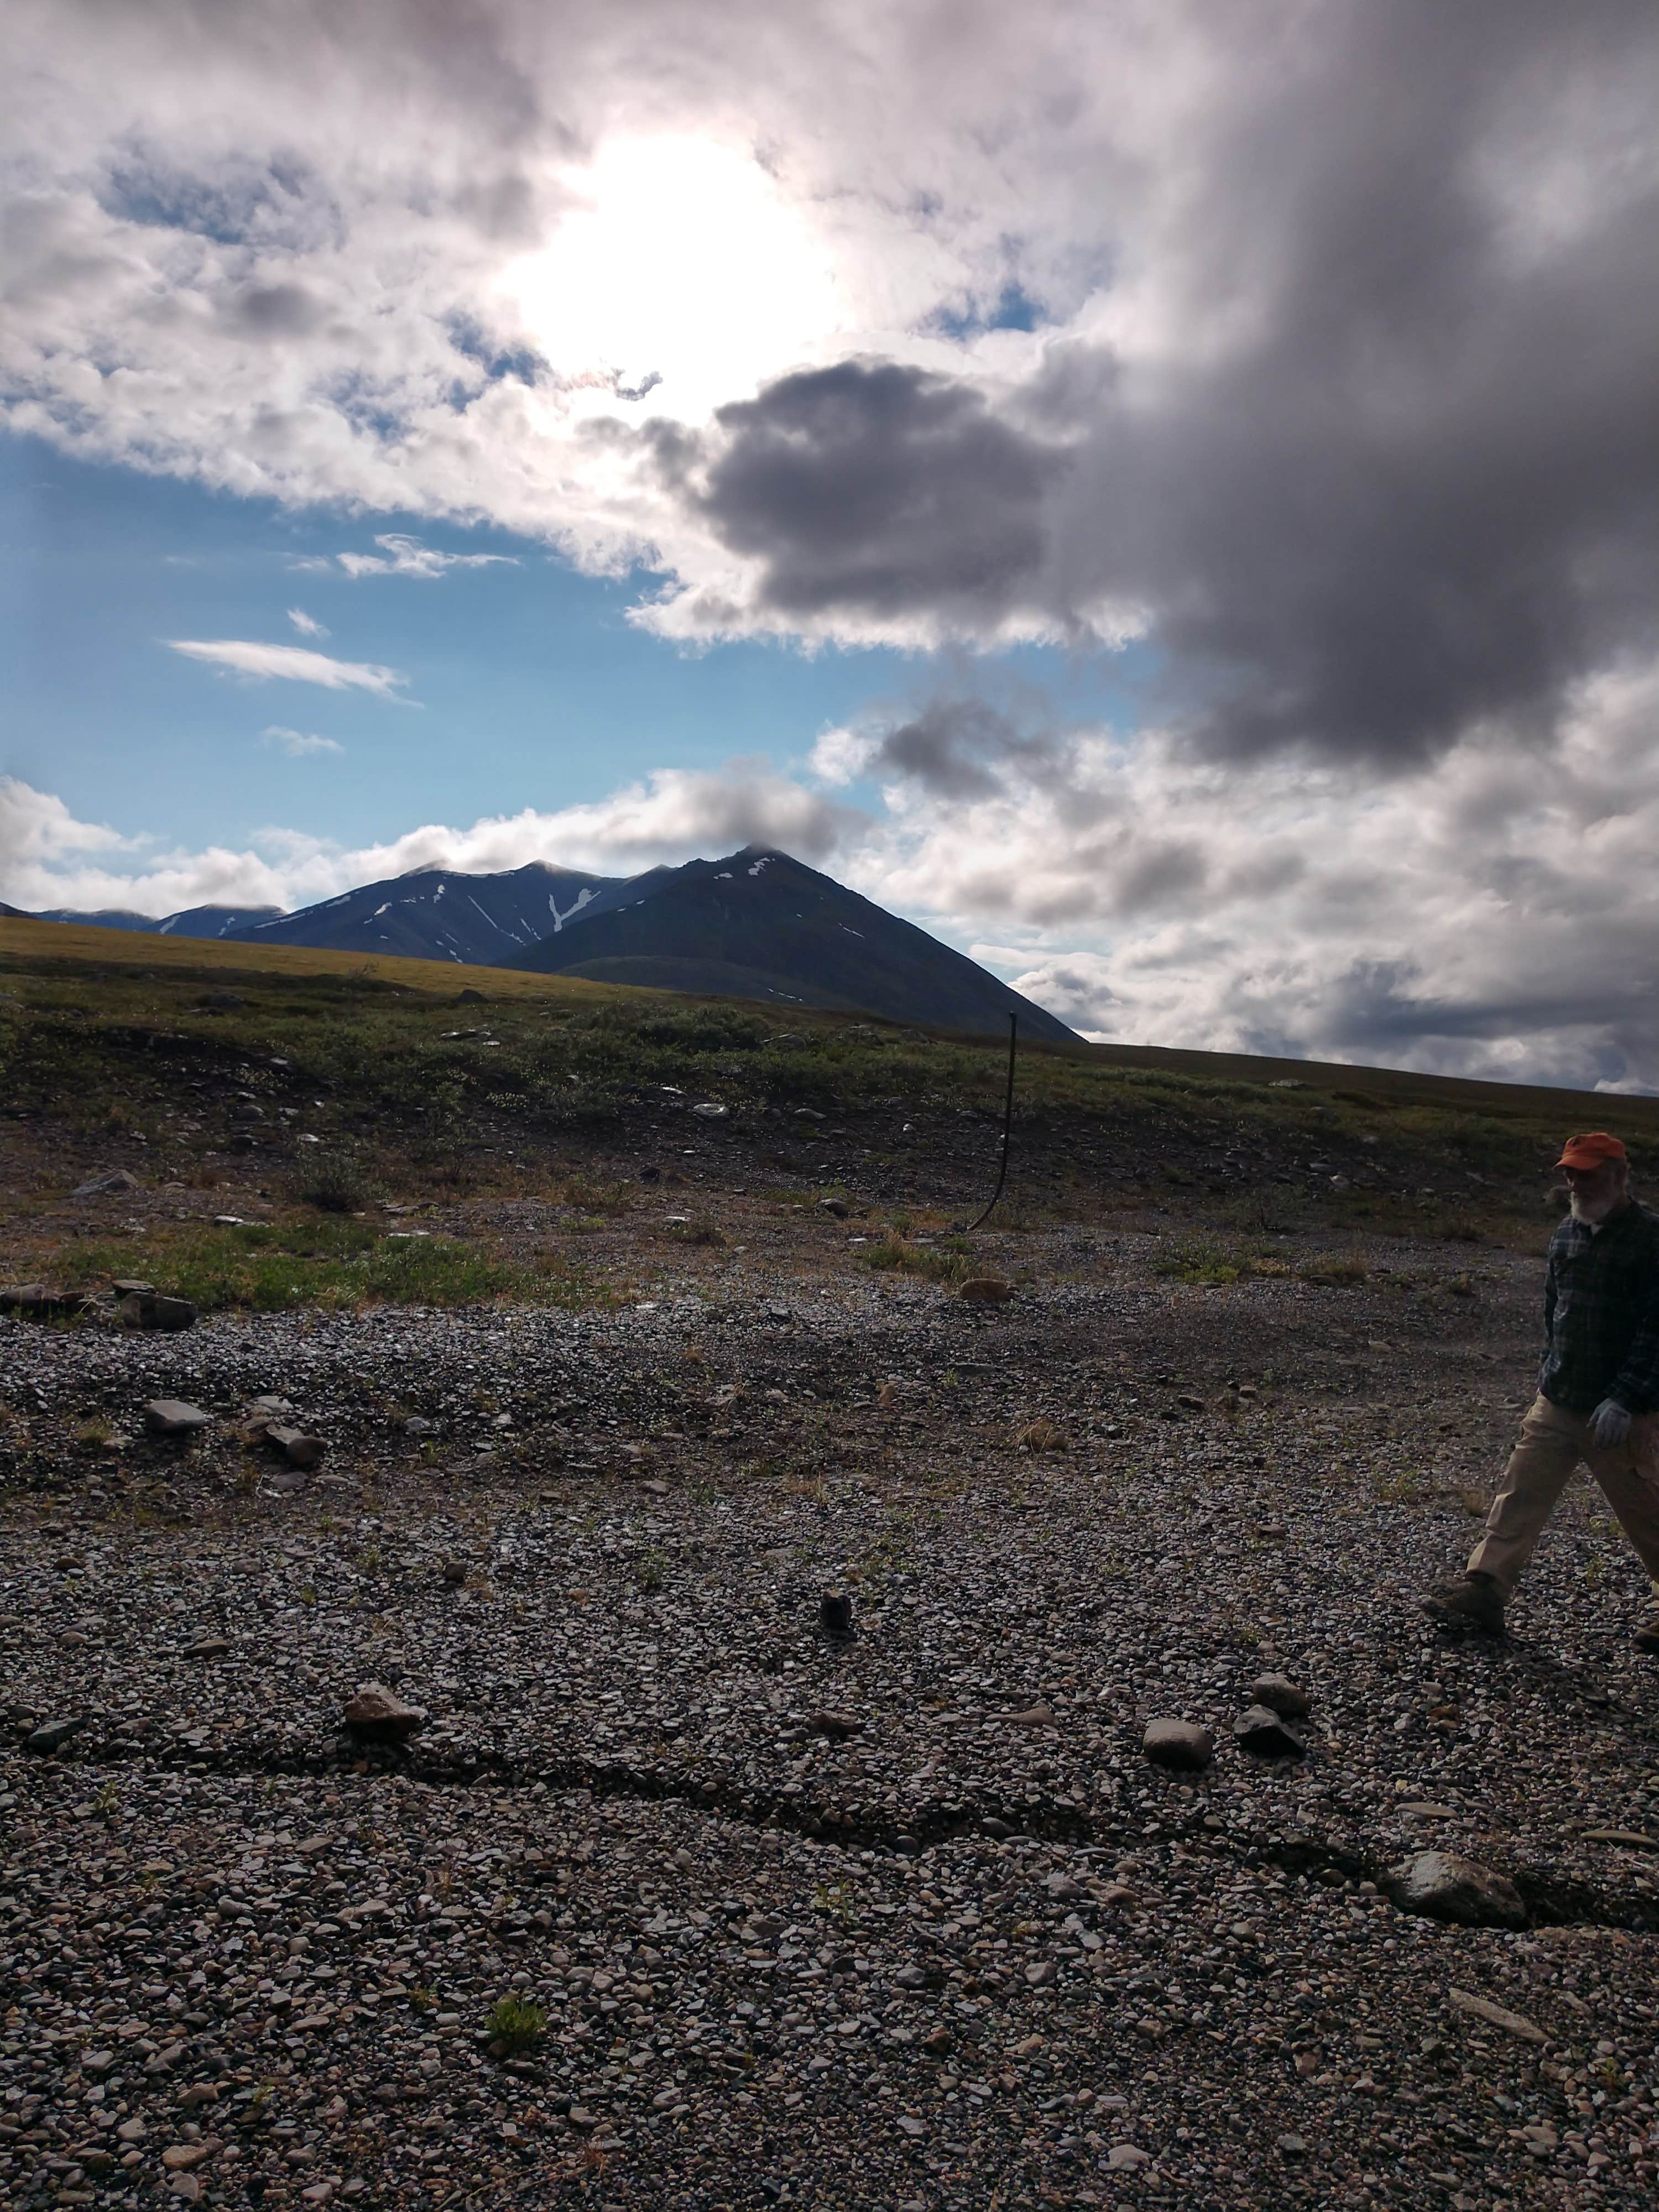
pixel 1492 912
pixel 1489 914
pixel 293 663
pixel 668 818
pixel 307 625
pixel 403 556
pixel 298 744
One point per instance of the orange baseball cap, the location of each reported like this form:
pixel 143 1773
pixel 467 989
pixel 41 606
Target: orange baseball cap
pixel 1589 1152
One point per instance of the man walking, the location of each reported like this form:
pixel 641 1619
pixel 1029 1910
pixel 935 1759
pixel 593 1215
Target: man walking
pixel 1598 1392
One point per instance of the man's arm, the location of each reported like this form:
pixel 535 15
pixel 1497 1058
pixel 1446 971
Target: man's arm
pixel 1636 1386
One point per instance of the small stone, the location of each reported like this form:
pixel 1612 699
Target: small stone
pixel 986 1290
pixel 836 1206
pixel 224 1002
pixel 454 1570
pixel 186 2186
pixel 51 1734
pixel 938 2039
pixel 1280 1695
pixel 836 1613
pixel 1628 1839
pixel 97 1185
pixel 377 1712
pixel 131 2131
pixel 1292 2146
pixel 298 1449
pixel 836 1726
pixel 1442 1886
pixel 172 1417
pixel 1178 1744
pixel 911 1977
pixel 1123 2156
pixel 998 1830
pixel 1418 1809
pixel 207 1647
pixel 127 1286
pixel 1496 2015
pixel 180 2158
pixel 709 1110
pixel 1038 1715
pixel 1258 1730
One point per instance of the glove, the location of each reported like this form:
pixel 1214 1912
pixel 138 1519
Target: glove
pixel 1609 1425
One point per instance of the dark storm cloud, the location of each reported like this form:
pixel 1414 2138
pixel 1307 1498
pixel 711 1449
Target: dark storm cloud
pixel 1418 495
pixel 954 747
pixel 880 489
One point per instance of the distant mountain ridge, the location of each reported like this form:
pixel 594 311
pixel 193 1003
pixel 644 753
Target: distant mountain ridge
pixel 438 913
pixel 756 925
pixel 759 924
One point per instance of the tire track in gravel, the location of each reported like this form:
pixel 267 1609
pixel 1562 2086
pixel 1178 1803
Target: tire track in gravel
pixel 1551 1900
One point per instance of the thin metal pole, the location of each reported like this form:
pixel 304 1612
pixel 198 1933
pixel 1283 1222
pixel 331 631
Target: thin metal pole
pixel 1007 1127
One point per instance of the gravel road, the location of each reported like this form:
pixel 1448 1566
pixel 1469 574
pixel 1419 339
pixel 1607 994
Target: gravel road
pixel 904 1918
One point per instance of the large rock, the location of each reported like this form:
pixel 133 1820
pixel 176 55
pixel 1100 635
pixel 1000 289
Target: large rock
pixel 381 1714
pixel 52 1734
pixel 97 1185
pixel 1180 1744
pixel 150 1309
pixel 298 1449
pixel 986 1290
pixel 1261 1730
pixel 1442 1886
pixel 1280 1695
pixel 34 1301
pixel 172 1417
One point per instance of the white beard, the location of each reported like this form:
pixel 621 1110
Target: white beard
pixel 1594 1212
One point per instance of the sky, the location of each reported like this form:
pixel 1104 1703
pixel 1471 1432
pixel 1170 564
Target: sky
pixel 1160 494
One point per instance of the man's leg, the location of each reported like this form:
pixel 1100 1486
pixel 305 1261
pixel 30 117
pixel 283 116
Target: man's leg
pixel 1629 1480
pixel 1539 1468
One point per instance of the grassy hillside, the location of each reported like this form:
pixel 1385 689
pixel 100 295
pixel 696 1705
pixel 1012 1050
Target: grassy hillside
pixel 104 1037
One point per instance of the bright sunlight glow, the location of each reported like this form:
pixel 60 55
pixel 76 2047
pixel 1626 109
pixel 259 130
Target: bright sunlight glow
pixel 683 262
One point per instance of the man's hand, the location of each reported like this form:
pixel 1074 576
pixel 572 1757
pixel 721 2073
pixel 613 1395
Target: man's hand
pixel 1609 1425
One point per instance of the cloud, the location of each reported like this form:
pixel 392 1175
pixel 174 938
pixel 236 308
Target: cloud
pixel 1338 395
pixel 670 816
pixel 296 744
pixel 1472 916
pixel 406 556
pixel 296 664
pixel 307 625
pixel 1477 914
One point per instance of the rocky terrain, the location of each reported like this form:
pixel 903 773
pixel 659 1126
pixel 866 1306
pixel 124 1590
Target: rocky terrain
pixel 901 1917
pixel 605 1653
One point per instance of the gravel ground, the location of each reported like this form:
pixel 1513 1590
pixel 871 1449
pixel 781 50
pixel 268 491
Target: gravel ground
pixel 900 1919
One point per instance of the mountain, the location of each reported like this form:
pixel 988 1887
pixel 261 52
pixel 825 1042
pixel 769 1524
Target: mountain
pixel 759 924
pixel 436 913
pixel 194 921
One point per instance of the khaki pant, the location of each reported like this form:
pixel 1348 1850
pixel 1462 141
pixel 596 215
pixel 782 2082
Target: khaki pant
pixel 1553 1443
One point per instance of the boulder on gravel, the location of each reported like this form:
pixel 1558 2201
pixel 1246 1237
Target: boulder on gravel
pixel 836 1613
pixel 1179 1744
pixel 97 1186
pixel 34 1301
pixel 986 1290
pixel 1443 1885
pixel 1260 1729
pixel 147 1310
pixel 381 1714
pixel 1280 1695
pixel 174 1417
pixel 51 1734
pixel 298 1449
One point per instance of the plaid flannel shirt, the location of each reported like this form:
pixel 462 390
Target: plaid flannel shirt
pixel 1601 1313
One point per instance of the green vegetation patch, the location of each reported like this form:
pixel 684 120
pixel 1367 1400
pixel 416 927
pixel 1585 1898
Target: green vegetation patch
pixel 267 1267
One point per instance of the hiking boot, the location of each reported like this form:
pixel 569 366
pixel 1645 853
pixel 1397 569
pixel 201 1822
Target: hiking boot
pixel 1647 1632
pixel 1471 1601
